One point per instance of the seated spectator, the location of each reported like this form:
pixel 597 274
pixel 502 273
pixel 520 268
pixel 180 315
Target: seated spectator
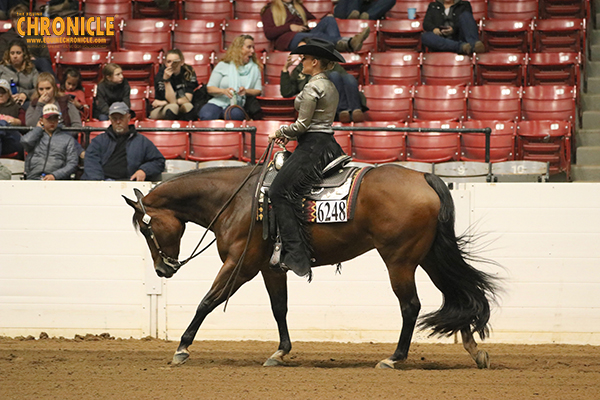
pixel 449 26
pixel 11 114
pixel 113 88
pixel 17 68
pixel 286 23
pixel 72 87
pixel 352 102
pixel 362 9
pixel 236 76
pixel 174 86
pixel 52 154
pixel 121 153
pixel 40 56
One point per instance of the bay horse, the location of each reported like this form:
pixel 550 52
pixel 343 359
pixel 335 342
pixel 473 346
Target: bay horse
pixel 407 216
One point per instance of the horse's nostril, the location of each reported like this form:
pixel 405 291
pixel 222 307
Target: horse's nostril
pixel 160 273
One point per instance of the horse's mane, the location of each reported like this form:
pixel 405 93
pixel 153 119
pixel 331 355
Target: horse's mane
pixel 193 173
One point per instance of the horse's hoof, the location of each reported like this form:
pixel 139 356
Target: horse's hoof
pixel 386 364
pixel 273 362
pixel 180 357
pixel 482 359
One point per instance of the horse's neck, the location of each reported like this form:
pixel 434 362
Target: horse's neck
pixel 200 196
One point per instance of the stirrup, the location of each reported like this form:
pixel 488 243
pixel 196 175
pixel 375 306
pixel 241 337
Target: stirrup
pixel 276 257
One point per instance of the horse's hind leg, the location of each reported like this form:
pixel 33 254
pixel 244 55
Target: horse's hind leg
pixel 276 283
pixel 402 278
pixel 481 357
pixel 217 294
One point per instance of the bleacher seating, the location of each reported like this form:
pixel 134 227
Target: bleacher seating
pixel 559 34
pixel 446 69
pixel 146 34
pixel 201 62
pixel 546 141
pixel 149 9
pixel 439 103
pixel 206 9
pixel 506 35
pixel 553 69
pixel 549 102
pixel 494 102
pixel 512 9
pixel 378 146
pixel 388 102
pixel 274 106
pixel 89 63
pixel 395 68
pixel 502 141
pixel 204 35
pixel 214 145
pixel 137 65
pixel 432 147
pixel 172 144
pixel 253 27
pixel 500 68
pixel 350 27
pixel 120 9
pixel 400 34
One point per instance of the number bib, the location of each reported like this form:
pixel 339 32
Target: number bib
pixel 331 211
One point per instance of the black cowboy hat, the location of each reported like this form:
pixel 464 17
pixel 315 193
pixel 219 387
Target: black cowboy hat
pixel 319 48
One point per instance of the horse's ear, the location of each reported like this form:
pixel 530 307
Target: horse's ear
pixel 138 194
pixel 132 203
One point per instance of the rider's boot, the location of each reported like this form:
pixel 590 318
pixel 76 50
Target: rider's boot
pixel 295 259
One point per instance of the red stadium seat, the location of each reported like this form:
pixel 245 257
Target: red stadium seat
pixel 5 26
pixel 506 35
pixel 554 69
pixel 350 27
pixel 253 27
pixel 502 141
pixel 96 124
pixel 149 9
pixel 446 69
pixel 201 62
pixel 137 65
pixel 248 8
pixel 198 35
pixel 388 102
pixel 512 9
pixel 494 102
pixel 439 103
pixel 274 106
pixel 395 68
pixel 547 102
pixel 500 68
pixel 208 146
pixel 274 62
pixel 263 129
pixel 559 34
pixel 146 35
pixel 318 8
pixel 564 8
pixel 88 63
pixel 432 147
pixel 400 34
pixel 171 144
pixel 357 66
pixel 206 9
pixel 120 9
pixel 546 141
pixel 378 146
pixel 343 138
pixel 400 9
pixel 480 9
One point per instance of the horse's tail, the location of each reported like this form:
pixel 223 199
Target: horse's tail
pixel 467 291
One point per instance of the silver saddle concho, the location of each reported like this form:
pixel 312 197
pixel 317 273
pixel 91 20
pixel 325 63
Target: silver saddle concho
pixel 331 192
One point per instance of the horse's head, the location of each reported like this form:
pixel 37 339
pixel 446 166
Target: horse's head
pixel 163 232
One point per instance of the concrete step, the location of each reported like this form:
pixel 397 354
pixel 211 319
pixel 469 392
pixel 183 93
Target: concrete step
pixel 590 101
pixel 586 173
pixel 593 69
pixel 588 155
pixel 595 36
pixel 593 85
pixel 587 137
pixel 591 120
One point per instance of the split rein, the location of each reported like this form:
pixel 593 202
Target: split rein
pixel 174 263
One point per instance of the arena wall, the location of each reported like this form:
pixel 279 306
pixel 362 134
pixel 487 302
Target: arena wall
pixel 71 263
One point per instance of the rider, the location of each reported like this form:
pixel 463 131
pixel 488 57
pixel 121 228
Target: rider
pixel 316 106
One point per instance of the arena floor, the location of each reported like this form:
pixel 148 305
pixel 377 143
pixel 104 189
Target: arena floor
pixel 94 367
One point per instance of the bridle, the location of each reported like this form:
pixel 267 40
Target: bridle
pixel 174 263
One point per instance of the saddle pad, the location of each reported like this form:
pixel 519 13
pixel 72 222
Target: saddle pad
pixel 334 179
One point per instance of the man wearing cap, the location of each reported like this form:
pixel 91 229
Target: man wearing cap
pixel 52 153
pixel 121 153
pixel 316 105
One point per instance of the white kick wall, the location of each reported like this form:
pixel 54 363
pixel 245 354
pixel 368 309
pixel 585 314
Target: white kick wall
pixel 71 263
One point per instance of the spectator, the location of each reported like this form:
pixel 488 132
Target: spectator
pixel 40 55
pixel 121 153
pixel 71 85
pixel 174 86
pixel 286 23
pixel 113 88
pixel 11 114
pixel 17 68
pixel 47 92
pixel 449 26
pixel 52 154
pixel 362 9
pixel 352 101
pixel 236 76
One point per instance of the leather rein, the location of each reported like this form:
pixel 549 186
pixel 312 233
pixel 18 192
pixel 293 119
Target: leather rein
pixel 175 263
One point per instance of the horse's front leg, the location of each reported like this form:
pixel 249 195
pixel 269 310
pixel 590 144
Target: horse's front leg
pixel 276 283
pixel 217 294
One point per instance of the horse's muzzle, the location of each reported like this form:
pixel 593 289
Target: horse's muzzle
pixel 163 270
